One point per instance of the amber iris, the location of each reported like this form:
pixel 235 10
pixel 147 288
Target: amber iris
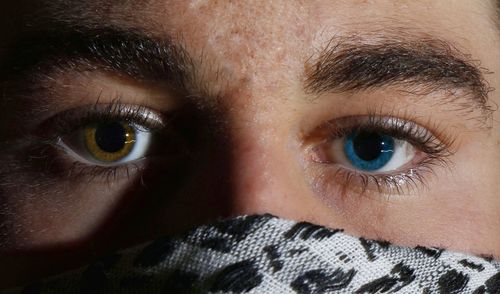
pixel 110 141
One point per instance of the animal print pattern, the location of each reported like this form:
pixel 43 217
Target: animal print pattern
pixel 265 254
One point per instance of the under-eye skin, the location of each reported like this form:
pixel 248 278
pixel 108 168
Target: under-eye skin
pixel 385 154
pixel 103 141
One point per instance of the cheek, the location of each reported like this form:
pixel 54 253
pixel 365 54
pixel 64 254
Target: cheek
pixel 458 210
pixel 58 215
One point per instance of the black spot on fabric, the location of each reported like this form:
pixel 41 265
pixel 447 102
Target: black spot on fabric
pixel 471 265
pixel 493 284
pixel 405 272
pixel 319 281
pixel 297 251
pixel 452 282
pixel 480 290
pixel 155 252
pixel 94 280
pixel 238 277
pixel 325 233
pixel 239 228
pixel 273 255
pixel 380 285
pixel 430 251
pixel 216 243
pixel 370 246
pixel 180 282
pixel 400 277
pixel 306 230
pixel 299 228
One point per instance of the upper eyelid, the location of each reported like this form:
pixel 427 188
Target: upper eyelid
pixel 68 121
pixel 436 140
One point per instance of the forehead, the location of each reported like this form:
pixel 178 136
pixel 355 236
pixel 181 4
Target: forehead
pixel 249 19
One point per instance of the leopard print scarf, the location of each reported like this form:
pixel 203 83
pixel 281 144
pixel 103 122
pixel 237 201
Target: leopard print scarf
pixel 265 254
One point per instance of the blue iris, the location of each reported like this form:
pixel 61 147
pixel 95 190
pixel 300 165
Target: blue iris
pixel 369 151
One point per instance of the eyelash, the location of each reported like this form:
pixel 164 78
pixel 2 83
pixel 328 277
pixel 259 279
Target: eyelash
pixel 437 148
pixel 113 111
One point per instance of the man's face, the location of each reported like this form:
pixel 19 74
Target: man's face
pixel 125 120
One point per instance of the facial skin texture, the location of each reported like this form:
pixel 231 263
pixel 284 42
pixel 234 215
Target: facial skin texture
pixel 248 123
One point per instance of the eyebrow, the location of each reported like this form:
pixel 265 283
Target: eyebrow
pixel 129 52
pixel 418 66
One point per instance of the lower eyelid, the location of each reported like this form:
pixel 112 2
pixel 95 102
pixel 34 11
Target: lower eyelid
pixel 335 181
pixel 65 167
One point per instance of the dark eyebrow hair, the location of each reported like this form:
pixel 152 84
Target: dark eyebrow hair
pixel 417 66
pixel 127 52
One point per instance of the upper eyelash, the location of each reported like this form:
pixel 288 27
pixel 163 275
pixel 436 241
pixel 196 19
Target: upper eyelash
pixel 141 116
pixel 398 128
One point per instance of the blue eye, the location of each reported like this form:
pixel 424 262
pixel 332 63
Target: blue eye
pixel 369 151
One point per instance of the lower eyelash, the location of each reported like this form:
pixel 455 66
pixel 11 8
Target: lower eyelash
pixel 52 159
pixel 99 174
pixel 402 183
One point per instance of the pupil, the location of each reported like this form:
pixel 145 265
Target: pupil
pixel 111 137
pixel 369 146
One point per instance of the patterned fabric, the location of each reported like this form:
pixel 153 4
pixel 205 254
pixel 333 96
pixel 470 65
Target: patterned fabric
pixel 265 254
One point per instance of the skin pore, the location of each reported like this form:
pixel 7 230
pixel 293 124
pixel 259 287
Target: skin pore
pixel 252 98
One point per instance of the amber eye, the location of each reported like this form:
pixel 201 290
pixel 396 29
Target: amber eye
pixel 110 142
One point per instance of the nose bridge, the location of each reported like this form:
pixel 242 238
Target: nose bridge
pixel 258 159
pixel 254 174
